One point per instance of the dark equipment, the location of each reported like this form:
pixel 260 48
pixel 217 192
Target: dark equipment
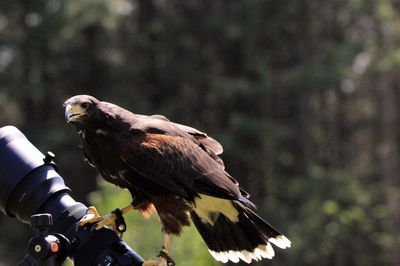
pixel 30 185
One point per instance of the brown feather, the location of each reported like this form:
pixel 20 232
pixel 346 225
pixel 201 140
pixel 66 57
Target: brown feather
pixel 147 210
pixel 154 157
pixel 175 170
pixel 174 213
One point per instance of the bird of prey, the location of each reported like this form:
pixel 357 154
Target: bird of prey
pixel 175 171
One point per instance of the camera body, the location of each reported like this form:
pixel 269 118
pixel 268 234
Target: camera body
pixel 30 184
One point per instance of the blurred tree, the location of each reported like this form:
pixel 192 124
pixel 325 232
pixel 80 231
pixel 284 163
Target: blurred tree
pixel 304 95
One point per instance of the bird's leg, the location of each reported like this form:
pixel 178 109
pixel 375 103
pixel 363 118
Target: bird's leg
pixel 114 219
pixel 165 250
pixel 163 258
pixel 111 218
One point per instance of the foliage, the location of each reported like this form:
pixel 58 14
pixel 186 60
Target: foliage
pixel 304 96
pixel 144 235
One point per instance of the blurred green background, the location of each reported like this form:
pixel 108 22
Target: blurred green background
pixel 304 96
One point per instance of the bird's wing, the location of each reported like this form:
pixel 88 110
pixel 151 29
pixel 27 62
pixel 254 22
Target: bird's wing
pixel 210 143
pixel 174 156
pixel 161 124
pixel 178 164
pixel 207 141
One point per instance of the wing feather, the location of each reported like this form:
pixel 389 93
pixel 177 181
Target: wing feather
pixel 176 157
pixel 160 124
pixel 179 165
pixel 207 141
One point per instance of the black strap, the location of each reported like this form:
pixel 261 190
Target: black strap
pixel 120 221
pixel 170 261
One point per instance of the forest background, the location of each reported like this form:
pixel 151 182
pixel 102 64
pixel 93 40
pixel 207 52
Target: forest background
pixel 304 96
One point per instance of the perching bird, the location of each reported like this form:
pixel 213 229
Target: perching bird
pixel 174 170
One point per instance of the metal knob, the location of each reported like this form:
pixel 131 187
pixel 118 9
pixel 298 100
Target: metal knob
pixel 41 222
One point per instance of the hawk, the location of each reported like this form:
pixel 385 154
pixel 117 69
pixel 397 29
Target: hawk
pixel 175 171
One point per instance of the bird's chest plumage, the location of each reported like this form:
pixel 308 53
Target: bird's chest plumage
pixel 99 148
pixel 104 151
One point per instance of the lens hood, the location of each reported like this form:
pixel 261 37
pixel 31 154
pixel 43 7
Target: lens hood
pixel 27 180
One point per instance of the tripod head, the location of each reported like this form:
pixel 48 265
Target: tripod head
pixel 45 249
pixel 29 185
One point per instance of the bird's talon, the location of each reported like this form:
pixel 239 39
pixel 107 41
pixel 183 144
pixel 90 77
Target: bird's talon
pixel 119 221
pixel 164 254
pixel 96 227
pixel 114 220
pixel 92 216
pixel 157 262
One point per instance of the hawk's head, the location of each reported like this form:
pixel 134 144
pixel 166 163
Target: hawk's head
pixel 82 108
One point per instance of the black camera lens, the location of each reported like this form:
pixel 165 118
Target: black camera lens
pixel 27 178
pixel 30 184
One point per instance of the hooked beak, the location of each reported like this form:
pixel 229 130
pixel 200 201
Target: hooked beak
pixel 73 112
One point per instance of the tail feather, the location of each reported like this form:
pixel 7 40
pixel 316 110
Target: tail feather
pixel 246 238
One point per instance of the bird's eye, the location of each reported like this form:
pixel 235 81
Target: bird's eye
pixel 84 105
